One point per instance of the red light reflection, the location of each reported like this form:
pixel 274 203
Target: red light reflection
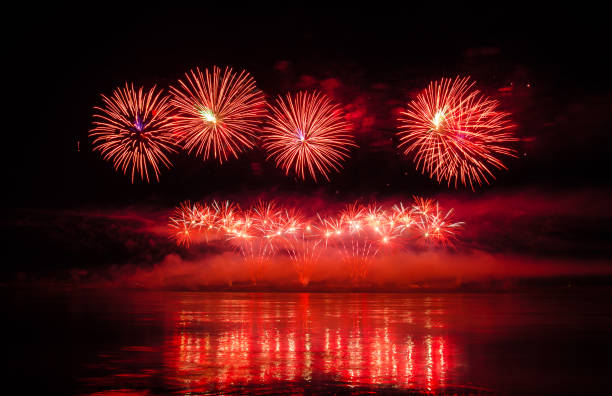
pixel 354 342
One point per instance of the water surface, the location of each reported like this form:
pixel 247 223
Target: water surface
pixel 194 343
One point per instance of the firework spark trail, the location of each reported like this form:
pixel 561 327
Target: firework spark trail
pixel 227 216
pixel 438 227
pixel 132 131
pixel 181 224
pixel 456 133
pixel 190 221
pixel 359 232
pixel 250 240
pixel 218 112
pixel 358 254
pixel 297 238
pixel 304 252
pixel 368 230
pixel 306 134
pixel 402 217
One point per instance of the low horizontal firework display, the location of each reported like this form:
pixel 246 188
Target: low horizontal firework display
pixel 455 134
pixel 358 233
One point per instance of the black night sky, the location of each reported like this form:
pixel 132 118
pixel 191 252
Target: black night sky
pixel 546 67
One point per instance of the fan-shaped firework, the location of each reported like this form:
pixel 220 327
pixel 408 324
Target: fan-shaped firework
pixel 456 133
pixel 265 217
pixel 184 223
pixel 249 238
pixel 132 131
pixel 358 233
pixel 356 245
pixel 227 215
pixel 435 226
pixel 307 134
pixel 218 112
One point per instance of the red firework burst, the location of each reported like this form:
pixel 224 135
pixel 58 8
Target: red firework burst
pixel 456 133
pixel 307 133
pixel 218 112
pixel 183 225
pixel 437 227
pixel 358 234
pixel 132 131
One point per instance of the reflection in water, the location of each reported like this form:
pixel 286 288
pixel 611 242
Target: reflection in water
pixel 351 340
pixel 162 343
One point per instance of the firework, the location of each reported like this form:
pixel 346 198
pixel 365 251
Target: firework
pixel 265 216
pixel 456 133
pixel 358 254
pixel 304 252
pixel 370 229
pixel 132 131
pixel 248 237
pixel 307 135
pixel 182 224
pixel 358 233
pixel 356 242
pixel 218 112
pixel 423 206
pixel 402 217
pixel 353 216
pixel 299 240
pixel 330 228
pixel 227 216
pixel 203 217
pixel 435 226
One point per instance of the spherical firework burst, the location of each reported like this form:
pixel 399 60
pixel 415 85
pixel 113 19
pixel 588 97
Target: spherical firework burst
pixel 456 133
pixel 218 112
pixel 132 131
pixel 307 134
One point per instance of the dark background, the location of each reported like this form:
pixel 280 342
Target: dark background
pixel 378 56
pixel 546 66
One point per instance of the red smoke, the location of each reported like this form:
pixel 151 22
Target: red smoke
pixel 509 235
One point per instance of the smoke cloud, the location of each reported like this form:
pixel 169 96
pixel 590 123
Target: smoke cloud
pixel 507 236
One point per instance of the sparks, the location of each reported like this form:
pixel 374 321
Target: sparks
pixel 219 113
pixel 359 233
pixel 132 131
pixel 457 135
pixel 307 135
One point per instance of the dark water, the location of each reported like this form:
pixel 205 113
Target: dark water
pixel 194 343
